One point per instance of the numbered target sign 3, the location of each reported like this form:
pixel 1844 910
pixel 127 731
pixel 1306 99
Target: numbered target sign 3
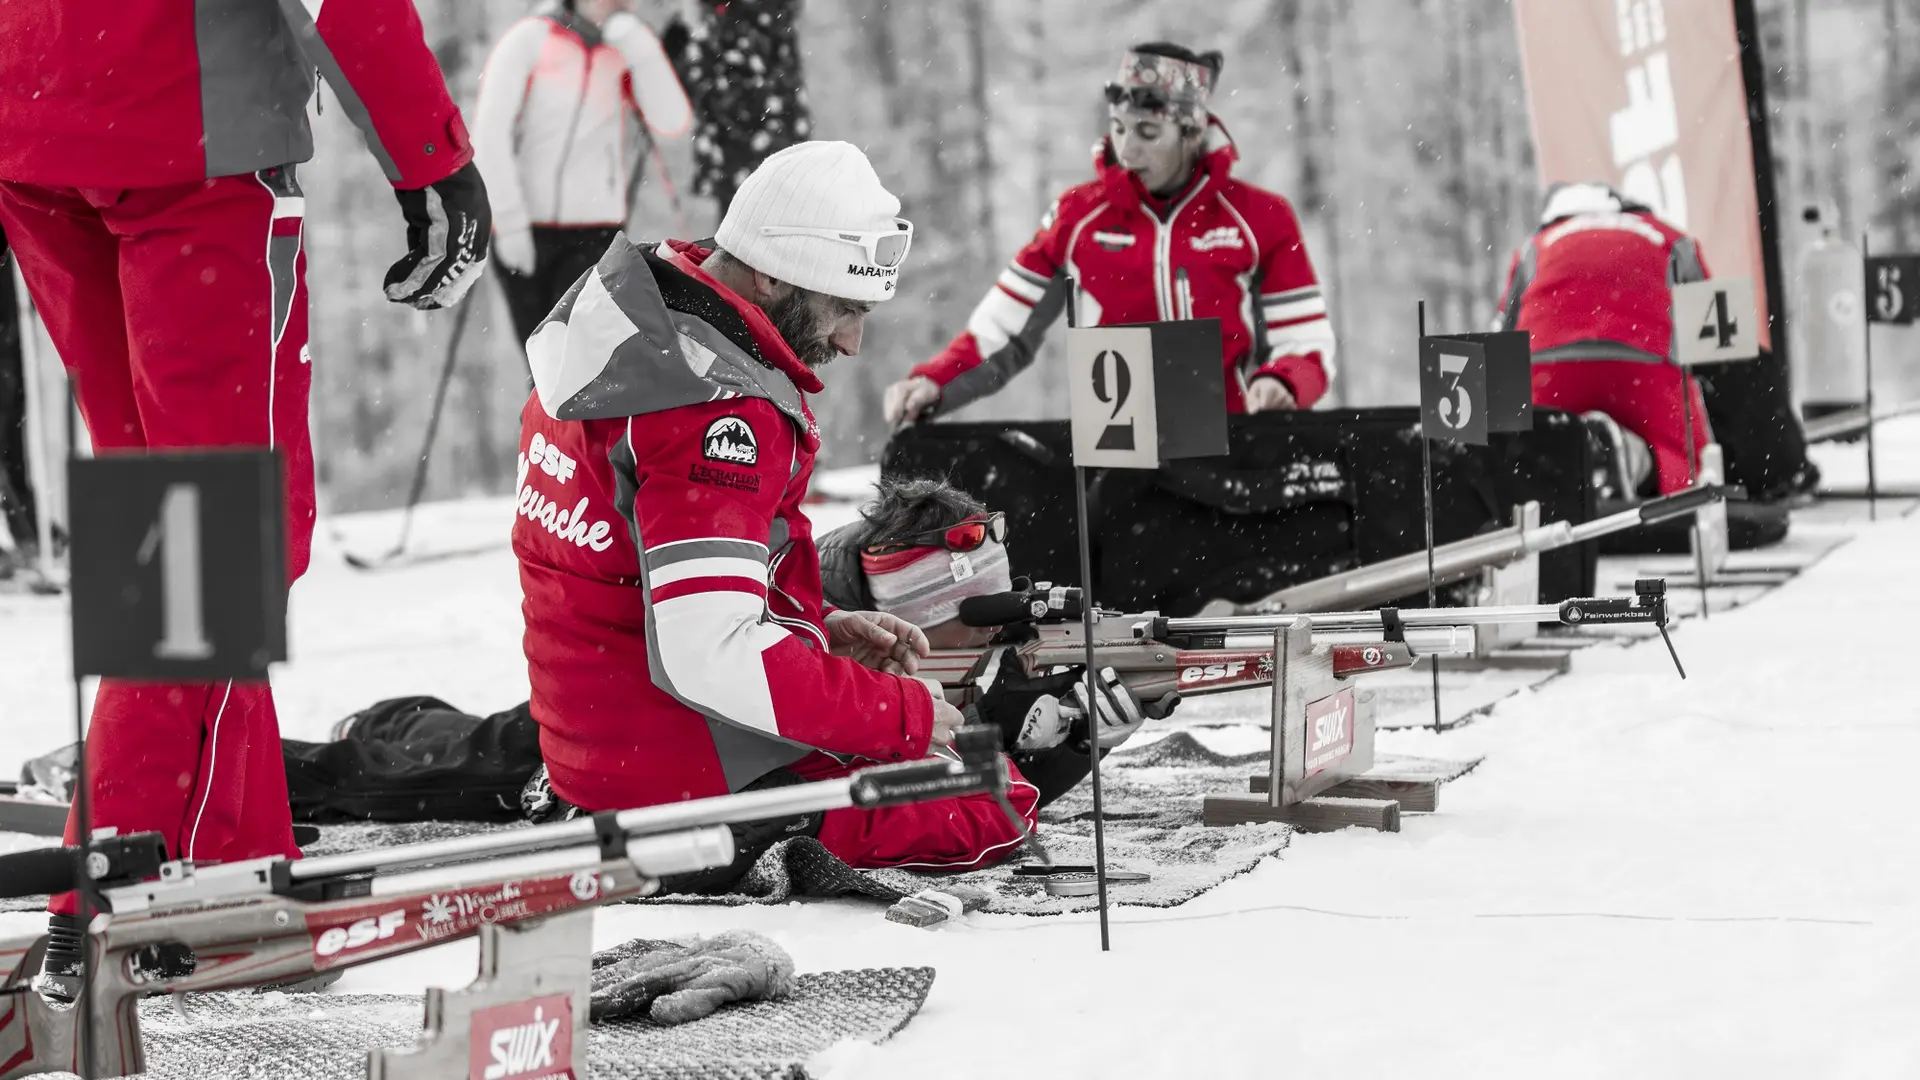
pixel 1110 397
pixel 1715 321
pixel 1893 289
pixel 179 565
pixel 1453 390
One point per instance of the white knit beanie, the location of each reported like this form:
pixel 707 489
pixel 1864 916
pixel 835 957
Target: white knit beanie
pixel 820 185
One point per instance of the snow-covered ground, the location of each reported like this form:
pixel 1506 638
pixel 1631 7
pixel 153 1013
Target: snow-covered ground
pixel 1647 877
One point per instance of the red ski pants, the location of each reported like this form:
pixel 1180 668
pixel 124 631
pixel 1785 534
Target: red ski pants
pixel 959 833
pixel 947 834
pixel 181 315
pixel 1642 397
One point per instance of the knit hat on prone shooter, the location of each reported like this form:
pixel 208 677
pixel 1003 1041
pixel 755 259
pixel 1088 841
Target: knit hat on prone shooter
pixel 816 216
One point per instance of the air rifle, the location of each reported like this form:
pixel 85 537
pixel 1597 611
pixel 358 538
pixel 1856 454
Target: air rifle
pixel 174 926
pixel 1390 579
pixel 1154 654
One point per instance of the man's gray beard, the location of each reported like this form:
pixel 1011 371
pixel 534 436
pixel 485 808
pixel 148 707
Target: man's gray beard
pixel 792 317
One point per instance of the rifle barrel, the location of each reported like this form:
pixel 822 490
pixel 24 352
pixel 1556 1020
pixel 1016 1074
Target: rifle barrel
pixel 872 786
pixel 1368 620
pixel 1841 424
pixel 1377 583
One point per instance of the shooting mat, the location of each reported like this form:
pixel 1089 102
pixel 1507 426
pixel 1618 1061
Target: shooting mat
pixel 250 1036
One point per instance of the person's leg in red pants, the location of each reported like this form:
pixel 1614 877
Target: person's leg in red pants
pixel 948 834
pixel 181 315
pixel 1644 398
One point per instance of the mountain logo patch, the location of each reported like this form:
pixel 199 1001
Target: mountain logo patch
pixel 729 439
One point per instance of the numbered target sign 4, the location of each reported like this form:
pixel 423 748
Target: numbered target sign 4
pixel 1715 321
pixel 1110 397
pixel 1893 289
pixel 178 565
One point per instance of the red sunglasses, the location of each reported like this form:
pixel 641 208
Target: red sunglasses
pixel 967 535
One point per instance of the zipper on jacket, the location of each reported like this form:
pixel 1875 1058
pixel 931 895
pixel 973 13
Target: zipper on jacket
pixel 1184 294
pixel 1165 305
pixel 573 125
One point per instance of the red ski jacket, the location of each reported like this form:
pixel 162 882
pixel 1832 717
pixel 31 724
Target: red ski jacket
pixel 675 631
pixel 1598 286
pixel 1222 249
pixel 148 93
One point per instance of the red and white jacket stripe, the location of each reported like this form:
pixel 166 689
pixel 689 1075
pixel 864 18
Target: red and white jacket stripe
pixel 1220 249
pixel 675 627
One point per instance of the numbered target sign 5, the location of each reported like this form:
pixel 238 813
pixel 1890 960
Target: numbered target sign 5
pixel 1893 288
pixel 179 565
pixel 1110 397
pixel 1715 321
pixel 1453 390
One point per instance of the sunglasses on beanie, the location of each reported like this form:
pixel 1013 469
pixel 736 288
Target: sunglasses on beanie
pixel 1144 98
pixel 885 248
pixel 966 535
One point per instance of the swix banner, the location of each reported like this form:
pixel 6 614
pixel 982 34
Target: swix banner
pixel 1649 95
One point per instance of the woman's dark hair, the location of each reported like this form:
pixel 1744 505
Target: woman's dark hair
pixel 1212 59
pixel 904 508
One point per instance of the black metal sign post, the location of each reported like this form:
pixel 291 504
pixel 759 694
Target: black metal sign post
pixel 1893 296
pixel 1715 321
pixel 178 575
pixel 1137 396
pixel 1471 385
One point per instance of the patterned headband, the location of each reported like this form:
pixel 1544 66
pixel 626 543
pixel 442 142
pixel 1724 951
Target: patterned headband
pixel 1154 83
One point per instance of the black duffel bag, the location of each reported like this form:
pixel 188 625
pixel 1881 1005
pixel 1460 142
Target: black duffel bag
pixel 1298 496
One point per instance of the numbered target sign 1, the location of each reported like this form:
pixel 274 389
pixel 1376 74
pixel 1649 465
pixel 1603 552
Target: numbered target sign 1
pixel 179 565
pixel 1893 289
pixel 1715 321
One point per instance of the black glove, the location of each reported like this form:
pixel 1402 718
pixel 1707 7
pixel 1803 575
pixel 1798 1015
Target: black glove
pixel 449 224
pixel 1026 708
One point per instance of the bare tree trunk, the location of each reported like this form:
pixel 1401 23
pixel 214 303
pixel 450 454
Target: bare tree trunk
pixel 986 239
pixel 1889 141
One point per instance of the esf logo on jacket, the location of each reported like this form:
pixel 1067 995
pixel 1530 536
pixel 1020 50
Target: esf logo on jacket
pixel 1226 236
pixel 731 440
pixel 1113 241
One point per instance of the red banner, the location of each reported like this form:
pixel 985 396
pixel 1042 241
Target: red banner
pixel 1648 96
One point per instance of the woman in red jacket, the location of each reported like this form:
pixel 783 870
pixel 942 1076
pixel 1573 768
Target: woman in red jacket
pixel 1163 232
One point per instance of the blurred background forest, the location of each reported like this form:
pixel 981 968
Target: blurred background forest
pixel 1398 128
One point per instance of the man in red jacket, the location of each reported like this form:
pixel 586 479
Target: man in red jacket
pixel 1164 232
pixel 147 153
pixel 677 641
pixel 1594 287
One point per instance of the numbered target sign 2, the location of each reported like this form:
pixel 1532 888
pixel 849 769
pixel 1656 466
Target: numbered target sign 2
pixel 1715 321
pixel 1893 289
pixel 1110 397
pixel 179 565
pixel 1141 395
